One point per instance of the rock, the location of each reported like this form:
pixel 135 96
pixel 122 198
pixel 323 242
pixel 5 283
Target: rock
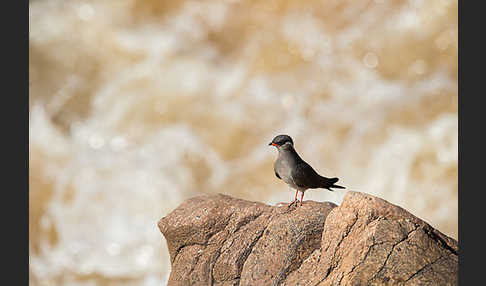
pixel 220 240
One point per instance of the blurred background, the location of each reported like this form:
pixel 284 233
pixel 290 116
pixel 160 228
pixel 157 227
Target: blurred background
pixel 136 106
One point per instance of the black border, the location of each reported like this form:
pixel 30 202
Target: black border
pixel 470 136
pixel 15 141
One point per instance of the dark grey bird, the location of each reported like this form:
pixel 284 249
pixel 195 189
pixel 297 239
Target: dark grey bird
pixel 295 172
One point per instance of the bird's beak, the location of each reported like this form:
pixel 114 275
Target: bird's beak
pixel 272 144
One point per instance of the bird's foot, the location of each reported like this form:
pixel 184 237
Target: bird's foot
pixel 293 202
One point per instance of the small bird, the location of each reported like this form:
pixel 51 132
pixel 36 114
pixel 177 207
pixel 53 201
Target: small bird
pixel 295 172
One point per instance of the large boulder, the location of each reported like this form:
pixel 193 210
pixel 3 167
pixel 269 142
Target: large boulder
pixel 220 240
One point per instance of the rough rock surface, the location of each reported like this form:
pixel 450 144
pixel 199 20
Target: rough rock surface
pixel 220 240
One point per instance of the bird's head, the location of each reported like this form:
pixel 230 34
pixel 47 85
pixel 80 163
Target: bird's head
pixel 282 141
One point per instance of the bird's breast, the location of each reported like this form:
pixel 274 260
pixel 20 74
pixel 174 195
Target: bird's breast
pixel 282 168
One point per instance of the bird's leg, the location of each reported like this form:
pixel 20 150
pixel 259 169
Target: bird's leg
pixel 295 199
pixel 301 198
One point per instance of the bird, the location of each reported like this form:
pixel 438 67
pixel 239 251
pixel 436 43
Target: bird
pixel 295 172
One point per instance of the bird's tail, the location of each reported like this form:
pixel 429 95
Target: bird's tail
pixel 329 183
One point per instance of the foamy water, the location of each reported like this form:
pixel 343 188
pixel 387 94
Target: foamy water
pixel 137 106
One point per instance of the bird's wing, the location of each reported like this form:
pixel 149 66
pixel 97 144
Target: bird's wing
pixel 304 176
